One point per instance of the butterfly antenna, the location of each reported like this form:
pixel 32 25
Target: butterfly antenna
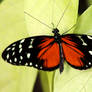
pixel 53 5
pixel 62 14
pixel 69 29
pixel 37 20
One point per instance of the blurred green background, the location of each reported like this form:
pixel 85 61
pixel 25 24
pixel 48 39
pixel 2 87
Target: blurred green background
pixel 15 25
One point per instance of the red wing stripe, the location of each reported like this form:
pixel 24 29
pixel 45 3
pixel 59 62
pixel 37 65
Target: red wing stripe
pixel 74 48
pixel 51 56
pixel 72 55
pixel 45 49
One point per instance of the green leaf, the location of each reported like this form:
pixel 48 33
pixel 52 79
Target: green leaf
pixel 73 80
pixel 45 81
pixel 48 12
pixel 13 28
pixel 84 24
pixel 1 1
pixel 89 2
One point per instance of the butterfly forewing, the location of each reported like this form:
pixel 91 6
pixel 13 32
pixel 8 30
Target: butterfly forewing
pixel 19 53
pixel 77 50
pixel 33 51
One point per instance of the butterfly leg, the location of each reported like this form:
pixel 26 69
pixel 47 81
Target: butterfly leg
pixel 61 66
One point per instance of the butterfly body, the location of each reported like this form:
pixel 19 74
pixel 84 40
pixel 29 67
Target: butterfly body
pixel 57 38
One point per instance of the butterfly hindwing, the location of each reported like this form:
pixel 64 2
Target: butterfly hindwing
pixel 33 51
pixel 77 50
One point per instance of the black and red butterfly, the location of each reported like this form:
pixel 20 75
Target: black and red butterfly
pixel 49 52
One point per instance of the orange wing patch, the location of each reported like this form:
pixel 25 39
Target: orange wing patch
pixel 71 53
pixel 45 42
pixel 50 55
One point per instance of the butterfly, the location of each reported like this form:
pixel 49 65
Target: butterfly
pixel 49 52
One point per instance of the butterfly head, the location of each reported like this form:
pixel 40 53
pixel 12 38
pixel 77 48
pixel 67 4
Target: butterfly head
pixel 56 35
pixel 56 32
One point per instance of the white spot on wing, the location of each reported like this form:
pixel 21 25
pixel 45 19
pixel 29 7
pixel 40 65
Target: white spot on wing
pixel 30 63
pixel 30 46
pixel 20 50
pixel 28 55
pixel 86 65
pixel 21 57
pixel 20 46
pixel 90 52
pixel 8 49
pixel 20 62
pixel 89 63
pixel 13 48
pixel 13 44
pixel 36 65
pixel 15 59
pixel 31 41
pixel 22 40
pixel 89 37
pixel 13 53
pixel 83 43
pixel 40 67
pixel 10 60
pixel 7 56
pixel 26 63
